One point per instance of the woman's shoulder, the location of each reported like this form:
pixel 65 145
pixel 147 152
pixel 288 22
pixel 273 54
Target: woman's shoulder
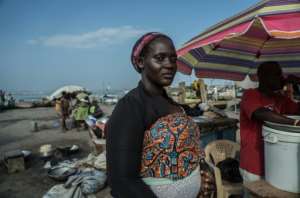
pixel 128 108
pixel 132 96
pixel 131 100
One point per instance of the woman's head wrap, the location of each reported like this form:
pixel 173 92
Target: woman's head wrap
pixel 140 45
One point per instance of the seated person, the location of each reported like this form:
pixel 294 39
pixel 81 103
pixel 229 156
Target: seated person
pixel 95 110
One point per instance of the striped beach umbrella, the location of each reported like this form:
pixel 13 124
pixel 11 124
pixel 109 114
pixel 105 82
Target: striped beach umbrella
pixel 233 48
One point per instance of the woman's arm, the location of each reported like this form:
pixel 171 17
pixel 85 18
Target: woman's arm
pixel 125 134
pixel 195 111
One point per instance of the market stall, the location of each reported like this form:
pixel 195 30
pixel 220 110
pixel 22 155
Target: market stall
pixel 216 129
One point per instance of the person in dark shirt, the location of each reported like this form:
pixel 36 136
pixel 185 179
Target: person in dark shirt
pixel 152 145
pixel 65 109
pixel 95 109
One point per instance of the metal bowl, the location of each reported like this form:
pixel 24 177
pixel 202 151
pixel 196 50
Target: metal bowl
pixel 61 173
pixel 67 150
pixel 26 153
pixel 74 148
pixel 103 120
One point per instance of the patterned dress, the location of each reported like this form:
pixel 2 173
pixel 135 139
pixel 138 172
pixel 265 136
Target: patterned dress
pixel 171 147
pixel 147 143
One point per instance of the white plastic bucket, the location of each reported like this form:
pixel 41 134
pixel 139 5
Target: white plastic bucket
pixel 282 159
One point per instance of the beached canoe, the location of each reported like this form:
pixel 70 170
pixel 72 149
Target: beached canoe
pixel 24 105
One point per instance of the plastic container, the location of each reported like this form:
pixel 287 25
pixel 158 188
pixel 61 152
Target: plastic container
pixel 90 121
pixel 282 157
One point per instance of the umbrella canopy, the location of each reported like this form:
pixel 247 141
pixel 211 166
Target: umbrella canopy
pixel 232 49
pixel 67 89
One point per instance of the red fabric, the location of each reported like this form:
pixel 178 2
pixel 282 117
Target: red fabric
pixel 252 145
pixel 282 22
pixel 230 32
pixel 205 73
pixel 184 68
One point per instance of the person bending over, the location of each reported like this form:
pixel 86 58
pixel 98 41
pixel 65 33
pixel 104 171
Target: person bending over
pixel 266 103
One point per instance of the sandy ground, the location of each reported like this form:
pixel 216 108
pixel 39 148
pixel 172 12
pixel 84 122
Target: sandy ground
pixel 16 133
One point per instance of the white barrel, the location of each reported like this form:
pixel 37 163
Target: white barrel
pixel 282 159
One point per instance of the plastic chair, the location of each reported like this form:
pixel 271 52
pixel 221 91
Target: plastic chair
pixel 220 150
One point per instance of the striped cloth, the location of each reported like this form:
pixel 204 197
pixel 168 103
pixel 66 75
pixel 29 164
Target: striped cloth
pixel 234 48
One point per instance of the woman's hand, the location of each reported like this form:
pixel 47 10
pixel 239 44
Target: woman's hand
pixel 297 123
pixel 207 179
pixel 207 184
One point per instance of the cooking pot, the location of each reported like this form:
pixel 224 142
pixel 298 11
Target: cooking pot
pixel 61 173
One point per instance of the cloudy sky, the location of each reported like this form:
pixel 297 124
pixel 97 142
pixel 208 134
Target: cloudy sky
pixel 49 43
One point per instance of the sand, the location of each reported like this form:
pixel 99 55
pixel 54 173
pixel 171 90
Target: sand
pixel 16 133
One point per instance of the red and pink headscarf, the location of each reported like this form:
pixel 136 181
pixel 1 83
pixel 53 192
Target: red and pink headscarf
pixel 140 44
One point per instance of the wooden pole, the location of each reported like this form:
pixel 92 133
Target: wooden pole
pixel 181 97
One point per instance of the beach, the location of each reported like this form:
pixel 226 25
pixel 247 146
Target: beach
pixel 16 133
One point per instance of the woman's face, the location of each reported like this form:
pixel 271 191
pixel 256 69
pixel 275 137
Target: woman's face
pixel 159 64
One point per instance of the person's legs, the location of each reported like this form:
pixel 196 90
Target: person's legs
pixel 80 125
pixel 63 123
pixel 76 124
pixel 248 177
pixel 86 127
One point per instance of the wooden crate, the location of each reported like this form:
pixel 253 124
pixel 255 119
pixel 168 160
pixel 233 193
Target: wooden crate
pixel 14 161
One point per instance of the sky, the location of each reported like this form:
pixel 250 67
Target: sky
pixel 45 44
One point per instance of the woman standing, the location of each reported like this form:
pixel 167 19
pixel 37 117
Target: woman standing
pixel 152 145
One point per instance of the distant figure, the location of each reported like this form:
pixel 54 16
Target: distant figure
pixel 95 109
pixel 65 109
pixel 57 106
pixel 196 86
pixel 2 98
pixel 215 93
pixel 81 112
pixel 10 100
pixel 73 101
